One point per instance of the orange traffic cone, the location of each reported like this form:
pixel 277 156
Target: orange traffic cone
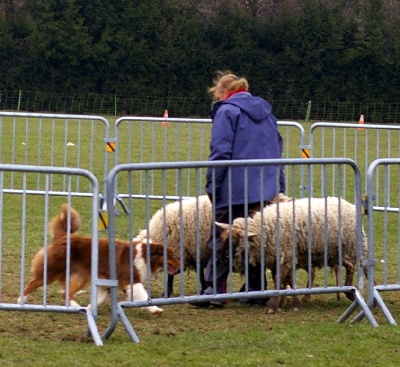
pixel 165 123
pixel 361 122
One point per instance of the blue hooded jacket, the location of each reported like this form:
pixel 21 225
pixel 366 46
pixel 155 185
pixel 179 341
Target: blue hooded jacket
pixel 243 128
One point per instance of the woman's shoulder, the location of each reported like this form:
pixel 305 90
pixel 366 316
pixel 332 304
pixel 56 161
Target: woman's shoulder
pixel 225 107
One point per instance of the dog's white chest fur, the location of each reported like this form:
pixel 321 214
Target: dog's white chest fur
pixel 140 263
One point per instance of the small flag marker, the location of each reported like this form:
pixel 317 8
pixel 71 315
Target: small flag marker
pixel 165 123
pixel 361 122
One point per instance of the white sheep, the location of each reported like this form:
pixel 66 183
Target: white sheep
pixel 189 218
pixel 293 227
pixel 195 222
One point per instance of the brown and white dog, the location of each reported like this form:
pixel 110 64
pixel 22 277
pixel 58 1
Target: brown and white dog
pixel 80 261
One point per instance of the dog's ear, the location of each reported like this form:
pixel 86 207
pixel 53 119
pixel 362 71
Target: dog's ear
pixel 155 249
pixel 172 253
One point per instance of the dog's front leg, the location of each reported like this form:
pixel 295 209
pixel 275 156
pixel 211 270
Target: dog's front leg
pixel 140 294
pixel 102 293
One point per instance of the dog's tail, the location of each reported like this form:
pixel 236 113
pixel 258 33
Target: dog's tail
pixel 68 220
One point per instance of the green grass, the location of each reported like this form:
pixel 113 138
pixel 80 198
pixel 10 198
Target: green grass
pixel 184 335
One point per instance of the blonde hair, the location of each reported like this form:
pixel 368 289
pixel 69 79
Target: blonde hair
pixel 228 81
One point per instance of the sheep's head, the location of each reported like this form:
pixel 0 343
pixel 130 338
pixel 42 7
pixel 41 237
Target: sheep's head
pixel 236 230
pixel 237 233
pixel 282 198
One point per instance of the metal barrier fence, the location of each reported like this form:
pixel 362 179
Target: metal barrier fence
pixel 23 230
pixel 383 232
pixel 189 287
pixel 148 186
pixel 40 139
pixel 80 141
pixel 361 142
pixel 150 139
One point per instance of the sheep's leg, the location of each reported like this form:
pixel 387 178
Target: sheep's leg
pixel 274 302
pixel 203 282
pixel 296 299
pixel 296 303
pixel 307 297
pixel 336 270
pixel 287 282
pixel 170 285
pixel 349 279
pixel 281 301
pixel 272 305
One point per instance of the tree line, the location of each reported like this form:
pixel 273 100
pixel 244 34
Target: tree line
pixel 289 50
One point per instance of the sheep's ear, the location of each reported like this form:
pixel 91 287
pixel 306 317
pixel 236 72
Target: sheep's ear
pixel 237 231
pixel 250 228
pixel 251 234
pixel 223 226
pixel 284 199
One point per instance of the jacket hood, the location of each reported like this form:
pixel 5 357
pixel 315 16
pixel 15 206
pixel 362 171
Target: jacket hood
pixel 257 108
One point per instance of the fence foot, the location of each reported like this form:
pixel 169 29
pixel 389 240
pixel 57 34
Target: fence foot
pixel 125 322
pixel 110 329
pixel 379 302
pixel 127 325
pixel 359 301
pixel 347 313
pixel 92 329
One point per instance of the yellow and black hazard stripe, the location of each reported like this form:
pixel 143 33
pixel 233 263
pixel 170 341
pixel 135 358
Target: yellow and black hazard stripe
pixel 305 153
pixel 103 220
pixel 110 147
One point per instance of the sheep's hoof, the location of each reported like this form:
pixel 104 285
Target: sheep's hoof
pixel 306 299
pixel 269 311
pixel 283 302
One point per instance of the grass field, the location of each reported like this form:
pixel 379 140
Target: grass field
pixel 183 335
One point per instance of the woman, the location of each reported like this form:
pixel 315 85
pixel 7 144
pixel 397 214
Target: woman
pixel 243 128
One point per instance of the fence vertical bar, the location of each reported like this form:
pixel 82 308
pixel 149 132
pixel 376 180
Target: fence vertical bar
pixel 19 99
